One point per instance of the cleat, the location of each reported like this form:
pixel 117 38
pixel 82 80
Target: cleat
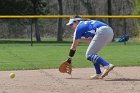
pixel 96 76
pixel 107 70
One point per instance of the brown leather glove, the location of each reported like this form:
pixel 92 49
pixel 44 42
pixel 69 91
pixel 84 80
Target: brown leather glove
pixel 65 67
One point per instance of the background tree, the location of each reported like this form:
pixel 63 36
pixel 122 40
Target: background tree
pixel 88 6
pixel 25 7
pixel 38 7
pixel 60 26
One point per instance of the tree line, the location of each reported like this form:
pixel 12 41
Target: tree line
pixel 21 28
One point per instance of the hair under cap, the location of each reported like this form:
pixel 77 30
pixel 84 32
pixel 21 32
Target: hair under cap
pixel 74 18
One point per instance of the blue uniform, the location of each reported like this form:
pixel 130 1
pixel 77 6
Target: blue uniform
pixel 101 35
pixel 87 29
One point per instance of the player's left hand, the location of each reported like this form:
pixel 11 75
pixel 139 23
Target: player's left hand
pixel 65 67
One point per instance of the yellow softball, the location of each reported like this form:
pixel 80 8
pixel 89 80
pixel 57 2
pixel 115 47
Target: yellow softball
pixel 12 75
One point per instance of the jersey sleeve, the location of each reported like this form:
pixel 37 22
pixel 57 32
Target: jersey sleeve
pixel 79 31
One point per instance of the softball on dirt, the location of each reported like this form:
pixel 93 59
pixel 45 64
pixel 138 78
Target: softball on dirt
pixel 12 75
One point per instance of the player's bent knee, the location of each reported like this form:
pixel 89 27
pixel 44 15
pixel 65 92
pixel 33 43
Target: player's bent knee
pixel 92 57
pixel 89 57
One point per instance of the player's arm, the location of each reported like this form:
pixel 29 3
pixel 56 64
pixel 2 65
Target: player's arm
pixel 72 50
pixel 74 44
pixel 76 37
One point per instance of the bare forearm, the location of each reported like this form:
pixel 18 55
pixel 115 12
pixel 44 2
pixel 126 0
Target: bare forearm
pixel 74 44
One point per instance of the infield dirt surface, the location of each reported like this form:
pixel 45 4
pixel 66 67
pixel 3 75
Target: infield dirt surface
pixel 119 80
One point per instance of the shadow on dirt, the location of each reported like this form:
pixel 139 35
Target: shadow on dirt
pixel 73 78
pixel 123 79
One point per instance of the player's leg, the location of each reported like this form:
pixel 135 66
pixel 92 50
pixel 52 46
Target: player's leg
pixel 98 72
pixel 91 55
pixel 102 37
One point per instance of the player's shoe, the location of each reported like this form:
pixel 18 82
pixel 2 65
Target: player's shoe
pixel 96 76
pixel 107 70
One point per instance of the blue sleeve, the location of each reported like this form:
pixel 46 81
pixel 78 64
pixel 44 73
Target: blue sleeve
pixel 79 31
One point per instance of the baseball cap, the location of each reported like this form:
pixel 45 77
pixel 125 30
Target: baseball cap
pixel 74 18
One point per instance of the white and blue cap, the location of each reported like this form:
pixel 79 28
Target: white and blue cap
pixel 72 20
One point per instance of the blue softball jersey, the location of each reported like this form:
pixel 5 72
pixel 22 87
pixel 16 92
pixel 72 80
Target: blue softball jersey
pixel 87 29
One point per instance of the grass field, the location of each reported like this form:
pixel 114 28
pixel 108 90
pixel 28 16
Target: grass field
pixel 50 55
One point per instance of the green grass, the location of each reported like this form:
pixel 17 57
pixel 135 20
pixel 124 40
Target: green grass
pixel 50 55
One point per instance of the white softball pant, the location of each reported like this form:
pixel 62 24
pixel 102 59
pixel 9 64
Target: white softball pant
pixel 102 37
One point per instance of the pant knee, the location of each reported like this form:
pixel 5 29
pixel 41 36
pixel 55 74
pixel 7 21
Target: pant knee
pixel 92 57
pixel 89 57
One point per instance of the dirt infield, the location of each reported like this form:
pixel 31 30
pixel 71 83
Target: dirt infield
pixel 120 80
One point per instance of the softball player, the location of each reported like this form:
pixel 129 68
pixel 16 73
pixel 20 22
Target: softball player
pixel 99 35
